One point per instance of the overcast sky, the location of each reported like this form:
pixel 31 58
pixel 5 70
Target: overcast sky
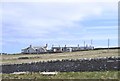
pixel 59 23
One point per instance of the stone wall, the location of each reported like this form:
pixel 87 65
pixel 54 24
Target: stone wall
pixel 98 64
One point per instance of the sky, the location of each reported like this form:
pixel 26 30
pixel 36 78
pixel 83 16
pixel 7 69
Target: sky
pixel 57 22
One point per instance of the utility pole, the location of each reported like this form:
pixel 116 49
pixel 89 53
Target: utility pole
pixel 84 43
pixel 91 42
pixel 108 44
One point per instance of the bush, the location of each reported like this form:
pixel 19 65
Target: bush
pixel 23 58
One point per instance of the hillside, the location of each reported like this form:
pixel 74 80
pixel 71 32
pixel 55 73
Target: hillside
pixel 27 58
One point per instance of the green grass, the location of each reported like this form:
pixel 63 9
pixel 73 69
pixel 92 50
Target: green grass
pixel 66 75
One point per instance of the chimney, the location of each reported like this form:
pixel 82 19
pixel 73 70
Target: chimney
pixel 46 45
pixel 52 45
pixel 65 45
pixel 78 45
pixel 30 46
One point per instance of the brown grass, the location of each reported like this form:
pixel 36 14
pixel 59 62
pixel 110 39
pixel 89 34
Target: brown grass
pixel 13 59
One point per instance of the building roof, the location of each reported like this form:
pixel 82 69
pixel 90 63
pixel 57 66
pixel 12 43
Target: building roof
pixel 35 47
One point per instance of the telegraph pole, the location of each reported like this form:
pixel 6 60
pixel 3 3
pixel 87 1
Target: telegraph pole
pixel 91 42
pixel 84 43
pixel 108 44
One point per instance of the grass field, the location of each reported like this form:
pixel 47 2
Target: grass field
pixel 13 59
pixel 66 75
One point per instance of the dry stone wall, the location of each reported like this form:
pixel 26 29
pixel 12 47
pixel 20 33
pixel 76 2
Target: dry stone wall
pixel 98 64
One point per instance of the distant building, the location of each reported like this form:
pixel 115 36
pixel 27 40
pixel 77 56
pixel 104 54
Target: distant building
pixel 61 49
pixel 55 49
pixel 34 50
pixel 87 48
pixel 71 49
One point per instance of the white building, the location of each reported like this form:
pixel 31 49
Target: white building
pixel 71 49
pixel 34 50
